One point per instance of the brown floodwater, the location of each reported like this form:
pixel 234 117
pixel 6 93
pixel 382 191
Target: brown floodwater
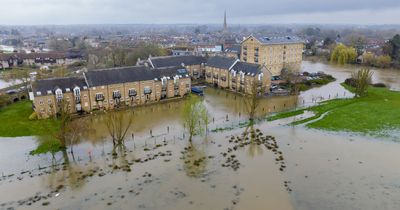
pixel 322 170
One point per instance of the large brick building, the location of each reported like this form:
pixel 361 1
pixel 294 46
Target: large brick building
pixel 275 53
pixel 237 76
pixel 108 88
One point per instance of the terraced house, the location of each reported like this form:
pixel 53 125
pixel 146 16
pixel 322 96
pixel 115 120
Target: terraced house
pixel 110 88
pixel 51 94
pixel 275 53
pixel 237 76
pixel 39 59
pixel 195 65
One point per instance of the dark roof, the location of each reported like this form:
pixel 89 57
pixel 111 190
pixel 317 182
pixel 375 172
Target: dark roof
pixel 45 85
pixel 247 67
pixel 130 74
pixel 168 61
pixel 235 48
pixel 279 39
pixel 53 55
pixel 220 62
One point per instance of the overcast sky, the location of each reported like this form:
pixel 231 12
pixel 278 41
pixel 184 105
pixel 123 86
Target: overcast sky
pixel 32 12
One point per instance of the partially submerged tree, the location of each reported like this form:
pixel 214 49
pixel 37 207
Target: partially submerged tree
pixel 63 113
pixel 75 130
pixel 362 78
pixel 195 116
pixel 118 124
pixel 252 99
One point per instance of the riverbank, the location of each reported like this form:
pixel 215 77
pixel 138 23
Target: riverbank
pixel 15 122
pixel 377 112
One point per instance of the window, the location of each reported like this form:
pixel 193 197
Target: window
pixel 116 94
pixel 132 92
pixel 41 102
pixel 99 97
pixel 59 94
pixel 147 90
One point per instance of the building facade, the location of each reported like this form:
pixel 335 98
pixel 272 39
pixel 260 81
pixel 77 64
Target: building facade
pixel 195 65
pixel 275 53
pixel 236 76
pixel 110 88
pixel 38 59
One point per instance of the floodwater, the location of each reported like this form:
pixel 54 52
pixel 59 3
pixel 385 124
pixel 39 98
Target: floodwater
pixel 284 168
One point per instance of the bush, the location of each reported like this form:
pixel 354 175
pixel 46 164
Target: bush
pixel 379 85
pixel 33 116
pixel 351 82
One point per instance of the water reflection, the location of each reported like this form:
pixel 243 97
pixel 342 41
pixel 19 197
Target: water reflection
pixel 194 160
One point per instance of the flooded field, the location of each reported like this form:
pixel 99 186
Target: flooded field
pixel 276 167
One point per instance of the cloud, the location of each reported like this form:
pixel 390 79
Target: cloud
pixel 184 11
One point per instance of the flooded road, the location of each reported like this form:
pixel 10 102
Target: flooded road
pixel 159 169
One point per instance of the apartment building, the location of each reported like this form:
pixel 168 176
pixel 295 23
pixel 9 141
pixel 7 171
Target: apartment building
pixel 195 65
pixel 275 53
pixel 110 88
pixel 49 93
pixel 237 76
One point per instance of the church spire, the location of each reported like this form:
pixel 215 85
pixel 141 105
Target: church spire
pixel 225 23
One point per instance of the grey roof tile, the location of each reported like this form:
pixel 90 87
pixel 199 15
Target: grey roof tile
pixel 220 62
pixel 168 61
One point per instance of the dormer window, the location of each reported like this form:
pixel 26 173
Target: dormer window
pixel 59 94
pixel 77 94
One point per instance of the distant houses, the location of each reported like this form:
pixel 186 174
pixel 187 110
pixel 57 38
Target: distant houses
pixel 10 60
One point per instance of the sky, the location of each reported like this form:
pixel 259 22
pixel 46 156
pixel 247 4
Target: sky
pixel 60 12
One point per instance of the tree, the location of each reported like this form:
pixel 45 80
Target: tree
pixel 252 99
pixel 362 79
pixel 368 58
pixel 383 61
pixel 63 113
pixel 75 130
pixel 22 74
pixel 195 116
pixel 343 55
pixel 118 124
pixel 59 44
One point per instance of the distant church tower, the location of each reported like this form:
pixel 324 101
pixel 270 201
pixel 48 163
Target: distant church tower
pixel 225 24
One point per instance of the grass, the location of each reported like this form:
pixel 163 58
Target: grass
pixel 283 115
pixel 47 144
pixel 378 111
pixel 16 123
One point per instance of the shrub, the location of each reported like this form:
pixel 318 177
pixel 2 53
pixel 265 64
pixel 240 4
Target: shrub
pixel 351 82
pixel 379 85
pixel 33 116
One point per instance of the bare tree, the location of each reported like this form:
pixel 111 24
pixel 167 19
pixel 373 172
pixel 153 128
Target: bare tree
pixel 362 79
pixel 63 113
pixel 252 99
pixel 118 124
pixel 75 130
